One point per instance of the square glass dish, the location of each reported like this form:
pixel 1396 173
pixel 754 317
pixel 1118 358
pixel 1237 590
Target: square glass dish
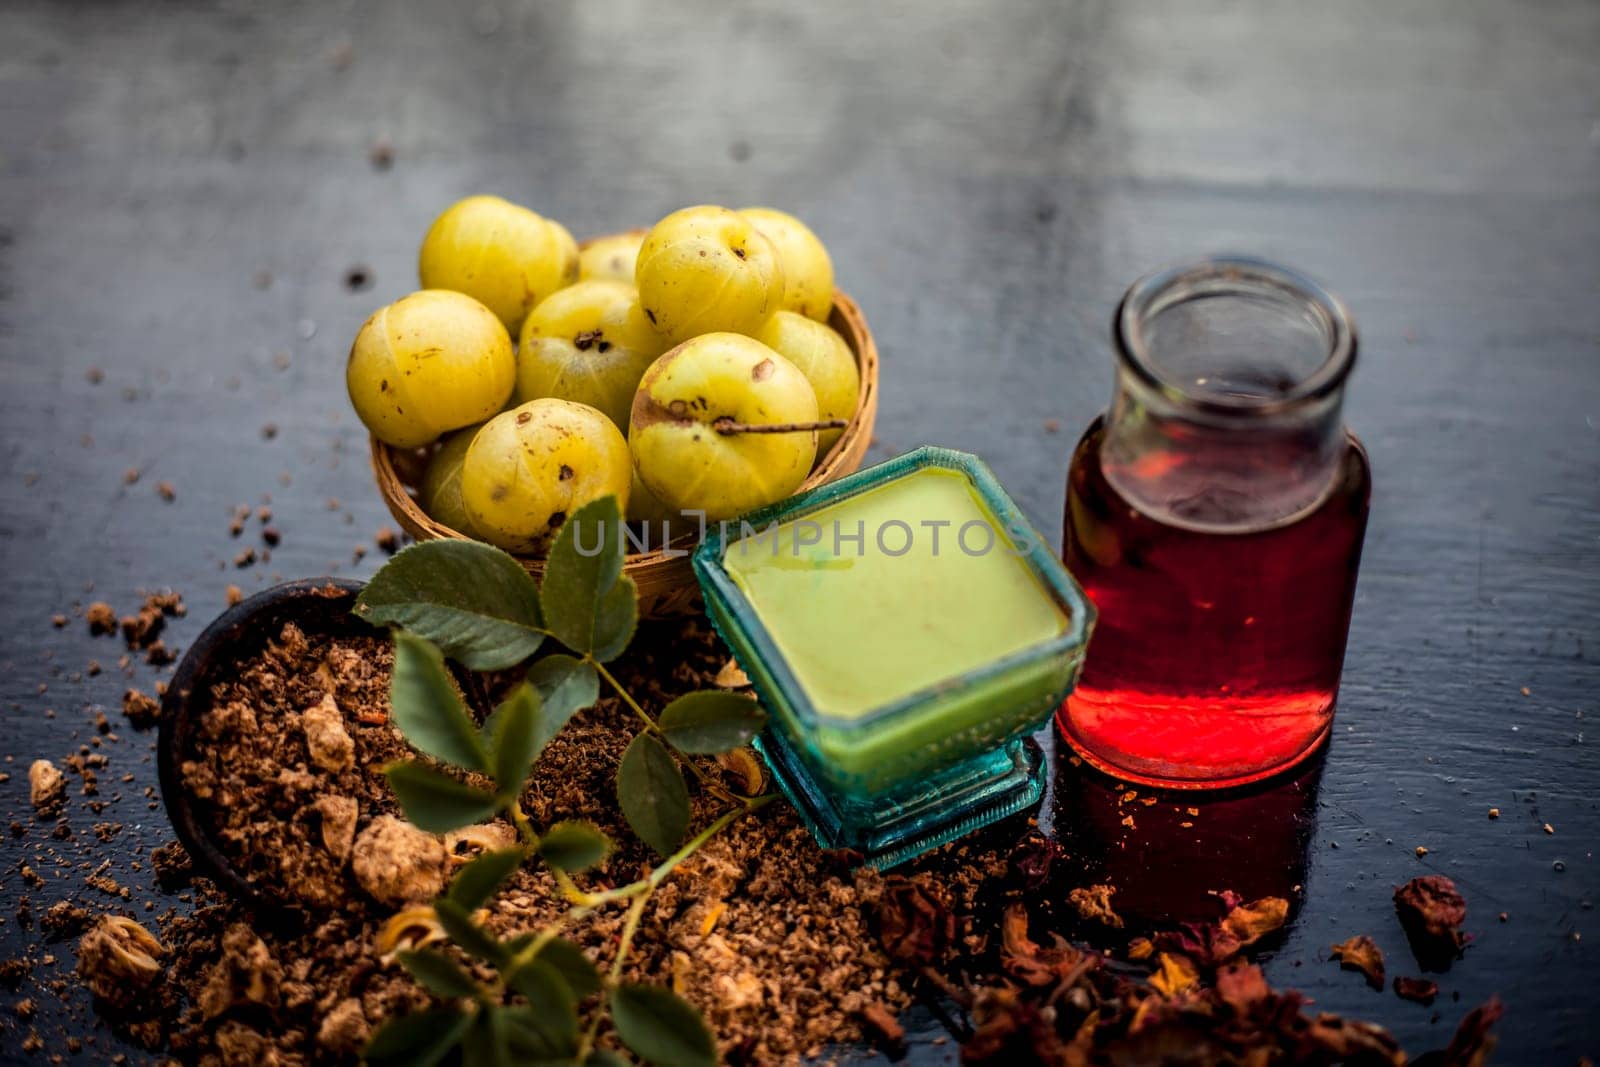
pixel 906 628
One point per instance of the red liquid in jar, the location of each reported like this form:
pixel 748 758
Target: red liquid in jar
pixel 1216 658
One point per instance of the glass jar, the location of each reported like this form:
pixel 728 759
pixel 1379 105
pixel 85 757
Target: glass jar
pixel 1215 517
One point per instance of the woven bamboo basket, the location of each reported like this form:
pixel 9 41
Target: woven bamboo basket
pixel 665 581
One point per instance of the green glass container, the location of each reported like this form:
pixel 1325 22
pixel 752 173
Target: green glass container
pixel 907 628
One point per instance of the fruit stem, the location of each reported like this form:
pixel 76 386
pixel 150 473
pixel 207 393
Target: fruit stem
pixel 726 425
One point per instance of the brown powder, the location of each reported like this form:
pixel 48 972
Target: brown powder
pixel 266 759
pixel 769 936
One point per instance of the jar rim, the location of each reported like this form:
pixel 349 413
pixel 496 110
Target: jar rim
pixel 1163 288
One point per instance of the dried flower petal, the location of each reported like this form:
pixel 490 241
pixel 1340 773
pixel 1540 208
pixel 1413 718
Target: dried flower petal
pixel 467 843
pixel 1009 1031
pixel 741 764
pixel 1242 986
pixel 410 928
pixel 1472 1043
pixel 1420 990
pixel 1033 857
pixel 1361 953
pixel 731 677
pixel 1030 962
pixel 1431 910
pixel 1176 974
pixel 915 922
pixel 1251 922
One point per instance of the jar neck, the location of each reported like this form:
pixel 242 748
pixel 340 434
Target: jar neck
pixel 1227 413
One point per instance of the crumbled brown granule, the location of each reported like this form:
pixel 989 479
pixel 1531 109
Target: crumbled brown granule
pixel 101 618
pixel 327 740
pixel 1094 903
pixel 246 974
pixel 119 960
pixel 255 771
pixel 234 595
pixel 64 919
pixel 398 864
pixel 166 491
pixel 47 787
pixel 771 937
pixel 142 711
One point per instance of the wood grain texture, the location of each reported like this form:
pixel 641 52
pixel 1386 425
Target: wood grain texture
pixel 988 179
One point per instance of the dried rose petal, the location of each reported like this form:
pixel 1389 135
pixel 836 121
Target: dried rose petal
pixel 1251 922
pixel 1242 986
pixel 1349 1040
pixel 1176 975
pixel 915 923
pixel 1418 989
pixel 1030 962
pixel 1361 953
pixel 1033 857
pixel 1010 1030
pixel 1472 1043
pixel 1431 909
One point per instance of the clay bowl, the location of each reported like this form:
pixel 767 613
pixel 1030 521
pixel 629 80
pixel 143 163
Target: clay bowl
pixel 316 605
pixel 664 577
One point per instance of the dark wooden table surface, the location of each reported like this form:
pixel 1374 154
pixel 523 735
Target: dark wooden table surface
pixel 184 188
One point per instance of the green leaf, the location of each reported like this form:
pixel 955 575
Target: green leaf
pixel 488 1043
pixel 711 721
pixel 479 879
pixel 652 794
pixel 582 568
pixel 554 1007
pixel 662 1027
pixel 573 964
pixel 540 1035
pixel 615 618
pixel 604 1057
pixel 427 708
pixel 471 599
pixel 437 973
pixel 567 684
pixel 574 846
pixel 420 1039
pixel 467 934
pixel 516 739
pixel 434 801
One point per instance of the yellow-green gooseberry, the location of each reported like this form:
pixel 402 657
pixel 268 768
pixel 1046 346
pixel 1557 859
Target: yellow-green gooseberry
pixel 501 253
pixel 707 269
pixel 531 467
pixel 611 258
pixel 440 491
pixel 644 507
pixel 429 363
pixel 591 343
pixel 807 267
pixel 826 361
pixel 691 433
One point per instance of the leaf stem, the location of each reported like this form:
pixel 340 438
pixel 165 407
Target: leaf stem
pixel 630 926
pixel 650 724
pixel 726 425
